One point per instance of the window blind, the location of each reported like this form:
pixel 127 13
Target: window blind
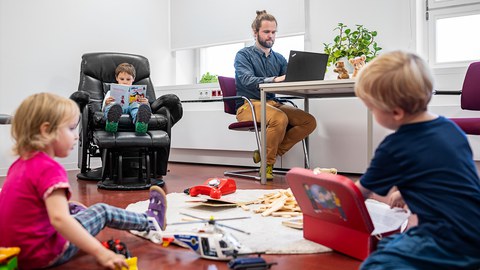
pixel 196 24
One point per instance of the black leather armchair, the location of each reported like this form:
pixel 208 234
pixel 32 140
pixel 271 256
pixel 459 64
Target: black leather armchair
pixel 129 161
pixel 5 119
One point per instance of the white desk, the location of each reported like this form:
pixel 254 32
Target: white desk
pixel 307 89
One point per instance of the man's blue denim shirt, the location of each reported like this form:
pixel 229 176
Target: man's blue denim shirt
pixel 253 67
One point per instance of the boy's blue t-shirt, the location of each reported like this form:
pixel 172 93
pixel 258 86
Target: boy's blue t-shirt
pixel 431 164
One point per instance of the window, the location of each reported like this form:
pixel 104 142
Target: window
pixel 452 27
pixel 285 44
pixel 452 30
pixel 219 60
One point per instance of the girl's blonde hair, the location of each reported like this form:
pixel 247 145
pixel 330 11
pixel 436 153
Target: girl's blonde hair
pixel 396 80
pixel 32 113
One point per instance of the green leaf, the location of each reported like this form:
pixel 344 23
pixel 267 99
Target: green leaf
pixel 352 43
pixel 337 54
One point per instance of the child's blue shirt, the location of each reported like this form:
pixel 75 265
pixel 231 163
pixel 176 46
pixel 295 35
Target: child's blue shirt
pixel 431 163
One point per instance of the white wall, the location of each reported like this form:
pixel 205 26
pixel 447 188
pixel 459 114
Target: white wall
pixel 42 41
pixel 390 18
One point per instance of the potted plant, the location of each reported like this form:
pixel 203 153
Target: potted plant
pixel 352 43
pixel 209 78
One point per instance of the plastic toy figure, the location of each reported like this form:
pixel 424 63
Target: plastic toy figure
pixel 209 241
pixel 120 248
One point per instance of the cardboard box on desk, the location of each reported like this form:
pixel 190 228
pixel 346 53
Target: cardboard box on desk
pixel 335 214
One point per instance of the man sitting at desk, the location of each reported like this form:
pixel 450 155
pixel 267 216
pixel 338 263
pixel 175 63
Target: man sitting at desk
pixel 260 64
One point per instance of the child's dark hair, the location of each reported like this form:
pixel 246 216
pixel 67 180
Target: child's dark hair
pixel 262 15
pixel 127 68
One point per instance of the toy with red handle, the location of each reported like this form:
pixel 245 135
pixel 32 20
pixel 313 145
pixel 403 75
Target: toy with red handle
pixel 214 187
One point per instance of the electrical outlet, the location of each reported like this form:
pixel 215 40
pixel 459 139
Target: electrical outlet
pixel 216 93
pixel 204 94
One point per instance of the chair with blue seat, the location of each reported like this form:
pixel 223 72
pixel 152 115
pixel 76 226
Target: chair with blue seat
pixel 470 100
pixel 229 92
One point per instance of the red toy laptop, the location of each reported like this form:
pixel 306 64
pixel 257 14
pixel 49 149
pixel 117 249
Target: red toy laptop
pixel 335 214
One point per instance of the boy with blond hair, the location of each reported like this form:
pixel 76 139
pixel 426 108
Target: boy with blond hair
pixel 428 159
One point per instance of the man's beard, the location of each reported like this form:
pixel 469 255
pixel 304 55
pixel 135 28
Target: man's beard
pixel 264 43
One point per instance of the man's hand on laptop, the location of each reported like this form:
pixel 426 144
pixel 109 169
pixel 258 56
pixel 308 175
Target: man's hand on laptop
pixel 279 78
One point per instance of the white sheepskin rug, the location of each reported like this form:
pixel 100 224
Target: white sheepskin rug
pixel 267 234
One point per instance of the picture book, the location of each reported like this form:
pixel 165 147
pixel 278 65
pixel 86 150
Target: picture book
pixel 127 94
pixel 336 215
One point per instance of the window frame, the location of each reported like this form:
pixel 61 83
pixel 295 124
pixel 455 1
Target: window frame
pixel 442 9
pixel 436 4
pixel 448 76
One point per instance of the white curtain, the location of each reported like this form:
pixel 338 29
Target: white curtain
pixel 195 24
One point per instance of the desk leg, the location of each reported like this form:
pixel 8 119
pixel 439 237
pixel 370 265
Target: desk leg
pixel 263 132
pixel 306 108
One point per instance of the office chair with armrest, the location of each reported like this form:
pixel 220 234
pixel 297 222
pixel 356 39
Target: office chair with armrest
pixel 229 92
pixel 129 161
pixel 470 100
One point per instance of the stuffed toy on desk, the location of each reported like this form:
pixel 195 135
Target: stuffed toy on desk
pixel 357 63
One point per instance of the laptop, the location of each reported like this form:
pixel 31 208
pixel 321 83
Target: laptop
pixel 306 66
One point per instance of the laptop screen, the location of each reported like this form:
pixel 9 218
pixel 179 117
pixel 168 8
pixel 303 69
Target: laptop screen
pixel 306 66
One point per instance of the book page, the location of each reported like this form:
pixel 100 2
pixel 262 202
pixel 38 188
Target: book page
pixel 135 92
pixel 384 218
pixel 120 94
pixel 127 94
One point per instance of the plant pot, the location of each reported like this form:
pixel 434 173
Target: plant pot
pixel 348 66
pixel 330 75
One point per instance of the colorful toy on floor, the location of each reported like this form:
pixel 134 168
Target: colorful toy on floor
pixel 324 170
pixel 8 258
pixel 210 241
pixel 120 248
pixel 132 263
pixel 213 187
pixel 249 263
